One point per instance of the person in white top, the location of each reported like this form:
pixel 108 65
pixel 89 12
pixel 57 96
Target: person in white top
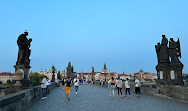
pixel 119 86
pixel 137 87
pixel 127 87
pixel 101 82
pixel 76 83
pixel 44 86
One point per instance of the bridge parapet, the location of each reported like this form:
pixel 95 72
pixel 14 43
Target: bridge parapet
pixel 22 100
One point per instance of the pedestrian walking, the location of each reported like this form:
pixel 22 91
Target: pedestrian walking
pixel 76 83
pixel 101 81
pixel 108 84
pixel 127 87
pixel 92 80
pixel 63 83
pixel 68 85
pixel 112 86
pixel 48 86
pixel 44 86
pixel 137 87
pixel 119 86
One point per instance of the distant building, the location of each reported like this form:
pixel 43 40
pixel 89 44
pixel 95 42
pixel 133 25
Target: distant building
pixel 4 76
pixel 124 76
pixel 105 75
pixel 49 74
pixel 145 75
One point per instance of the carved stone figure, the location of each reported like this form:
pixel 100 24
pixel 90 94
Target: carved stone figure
pixel 24 51
pixel 169 68
pixel 53 73
pixel 69 70
pixel 174 51
pixel 164 55
pixel 158 48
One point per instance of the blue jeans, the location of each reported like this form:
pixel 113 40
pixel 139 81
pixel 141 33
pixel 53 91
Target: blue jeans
pixel 44 92
pixel 76 88
pixel 127 90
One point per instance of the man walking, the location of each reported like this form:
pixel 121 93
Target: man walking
pixel 68 85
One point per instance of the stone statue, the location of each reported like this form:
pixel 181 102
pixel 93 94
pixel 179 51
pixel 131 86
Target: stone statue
pixel 158 48
pixel 164 55
pixel 169 68
pixel 53 73
pixel 174 51
pixel 24 51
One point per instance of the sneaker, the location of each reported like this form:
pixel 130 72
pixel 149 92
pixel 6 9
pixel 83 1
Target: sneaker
pixel 76 93
pixel 110 95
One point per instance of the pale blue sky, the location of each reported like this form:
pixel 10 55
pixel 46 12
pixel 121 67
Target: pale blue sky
pixel 88 33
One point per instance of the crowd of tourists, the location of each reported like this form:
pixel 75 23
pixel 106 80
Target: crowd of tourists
pixel 113 83
pixel 118 83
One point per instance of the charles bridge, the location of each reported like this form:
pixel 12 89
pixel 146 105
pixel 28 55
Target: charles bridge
pixel 95 98
pixel 167 95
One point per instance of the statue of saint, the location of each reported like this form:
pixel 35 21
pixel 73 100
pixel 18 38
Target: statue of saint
pixel 24 51
pixel 174 51
pixel 158 48
pixel 164 55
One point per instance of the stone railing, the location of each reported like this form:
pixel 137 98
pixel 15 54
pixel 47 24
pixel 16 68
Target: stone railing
pixel 171 92
pixel 22 100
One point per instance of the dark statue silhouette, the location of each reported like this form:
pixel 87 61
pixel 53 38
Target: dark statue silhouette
pixel 169 68
pixel 24 51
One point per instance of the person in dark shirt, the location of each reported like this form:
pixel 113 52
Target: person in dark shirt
pixel 68 85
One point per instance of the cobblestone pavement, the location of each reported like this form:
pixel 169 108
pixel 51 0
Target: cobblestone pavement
pixel 94 98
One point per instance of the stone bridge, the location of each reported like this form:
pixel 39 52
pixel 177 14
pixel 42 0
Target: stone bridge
pixel 94 98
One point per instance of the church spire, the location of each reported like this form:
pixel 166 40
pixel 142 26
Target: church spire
pixel 104 65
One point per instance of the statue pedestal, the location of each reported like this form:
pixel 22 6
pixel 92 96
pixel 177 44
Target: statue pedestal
pixel 170 74
pixel 176 74
pixel 162 74
pixel 24 79
pixel 24 69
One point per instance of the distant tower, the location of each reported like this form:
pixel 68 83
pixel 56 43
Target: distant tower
pixel 41 71
pixel 69 70
pixel 104 69
pixel 82 75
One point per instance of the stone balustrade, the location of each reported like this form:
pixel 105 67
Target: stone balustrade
pixel 22 100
